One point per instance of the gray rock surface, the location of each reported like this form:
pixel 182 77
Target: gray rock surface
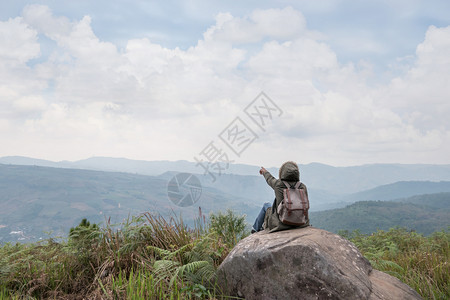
pixel 306 263
pixel 385 286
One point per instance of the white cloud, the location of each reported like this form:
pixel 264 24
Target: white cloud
pixel 18 42
pixel 279 24
pixel 348 116
pixel 151 102
pixel 40 17
pixel 421 96
pixel 19 86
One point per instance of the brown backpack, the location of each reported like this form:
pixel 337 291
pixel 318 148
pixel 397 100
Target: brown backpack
pixel 293 210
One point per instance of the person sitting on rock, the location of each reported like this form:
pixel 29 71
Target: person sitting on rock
pixel 268 216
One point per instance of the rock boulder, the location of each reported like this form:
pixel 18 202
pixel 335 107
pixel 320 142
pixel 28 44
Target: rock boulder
pixel 305 263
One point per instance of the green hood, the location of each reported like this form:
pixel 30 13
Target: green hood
pixel 289 172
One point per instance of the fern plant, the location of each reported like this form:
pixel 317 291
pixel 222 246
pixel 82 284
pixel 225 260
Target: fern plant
pixel 191 263
pixel 84 235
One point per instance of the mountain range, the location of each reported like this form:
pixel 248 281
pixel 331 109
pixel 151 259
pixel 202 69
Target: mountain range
pixel 35 200
pixel 40 195
pixel 422 213
pixel 335 180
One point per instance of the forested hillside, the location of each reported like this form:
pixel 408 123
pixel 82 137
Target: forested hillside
pixel 35 200
pixel 433 214
pixel 401 189
pixel 438 200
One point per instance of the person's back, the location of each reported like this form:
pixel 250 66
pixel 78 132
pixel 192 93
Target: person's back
pixel 289 173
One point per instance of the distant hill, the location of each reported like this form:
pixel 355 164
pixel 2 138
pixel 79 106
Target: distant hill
pixel 346 180
pixel 329 179
pixel 37 199
pixel 28 161
pixel 438 200
pixel 111 164
pixel 402 189
pixel 369 216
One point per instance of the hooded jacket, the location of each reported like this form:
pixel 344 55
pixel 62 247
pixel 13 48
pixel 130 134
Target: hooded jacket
pixel 288 172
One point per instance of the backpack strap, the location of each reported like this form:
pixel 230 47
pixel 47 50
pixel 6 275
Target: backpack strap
pixel 286 184
pixel 286 193
pixel 296 186
pixel 304 204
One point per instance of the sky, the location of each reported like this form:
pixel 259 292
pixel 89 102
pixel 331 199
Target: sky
pixel 255 82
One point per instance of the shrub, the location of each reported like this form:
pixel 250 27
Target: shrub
pixel 148 257
pixel 228 226
pixel 421 262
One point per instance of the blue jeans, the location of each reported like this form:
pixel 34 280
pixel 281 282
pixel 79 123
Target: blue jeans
pixel 257 226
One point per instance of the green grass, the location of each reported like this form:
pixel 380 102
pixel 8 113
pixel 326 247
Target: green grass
pixel 150 257
pixel 419 261
pixel 145 258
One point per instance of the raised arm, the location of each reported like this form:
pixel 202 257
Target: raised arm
pixel 269 178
